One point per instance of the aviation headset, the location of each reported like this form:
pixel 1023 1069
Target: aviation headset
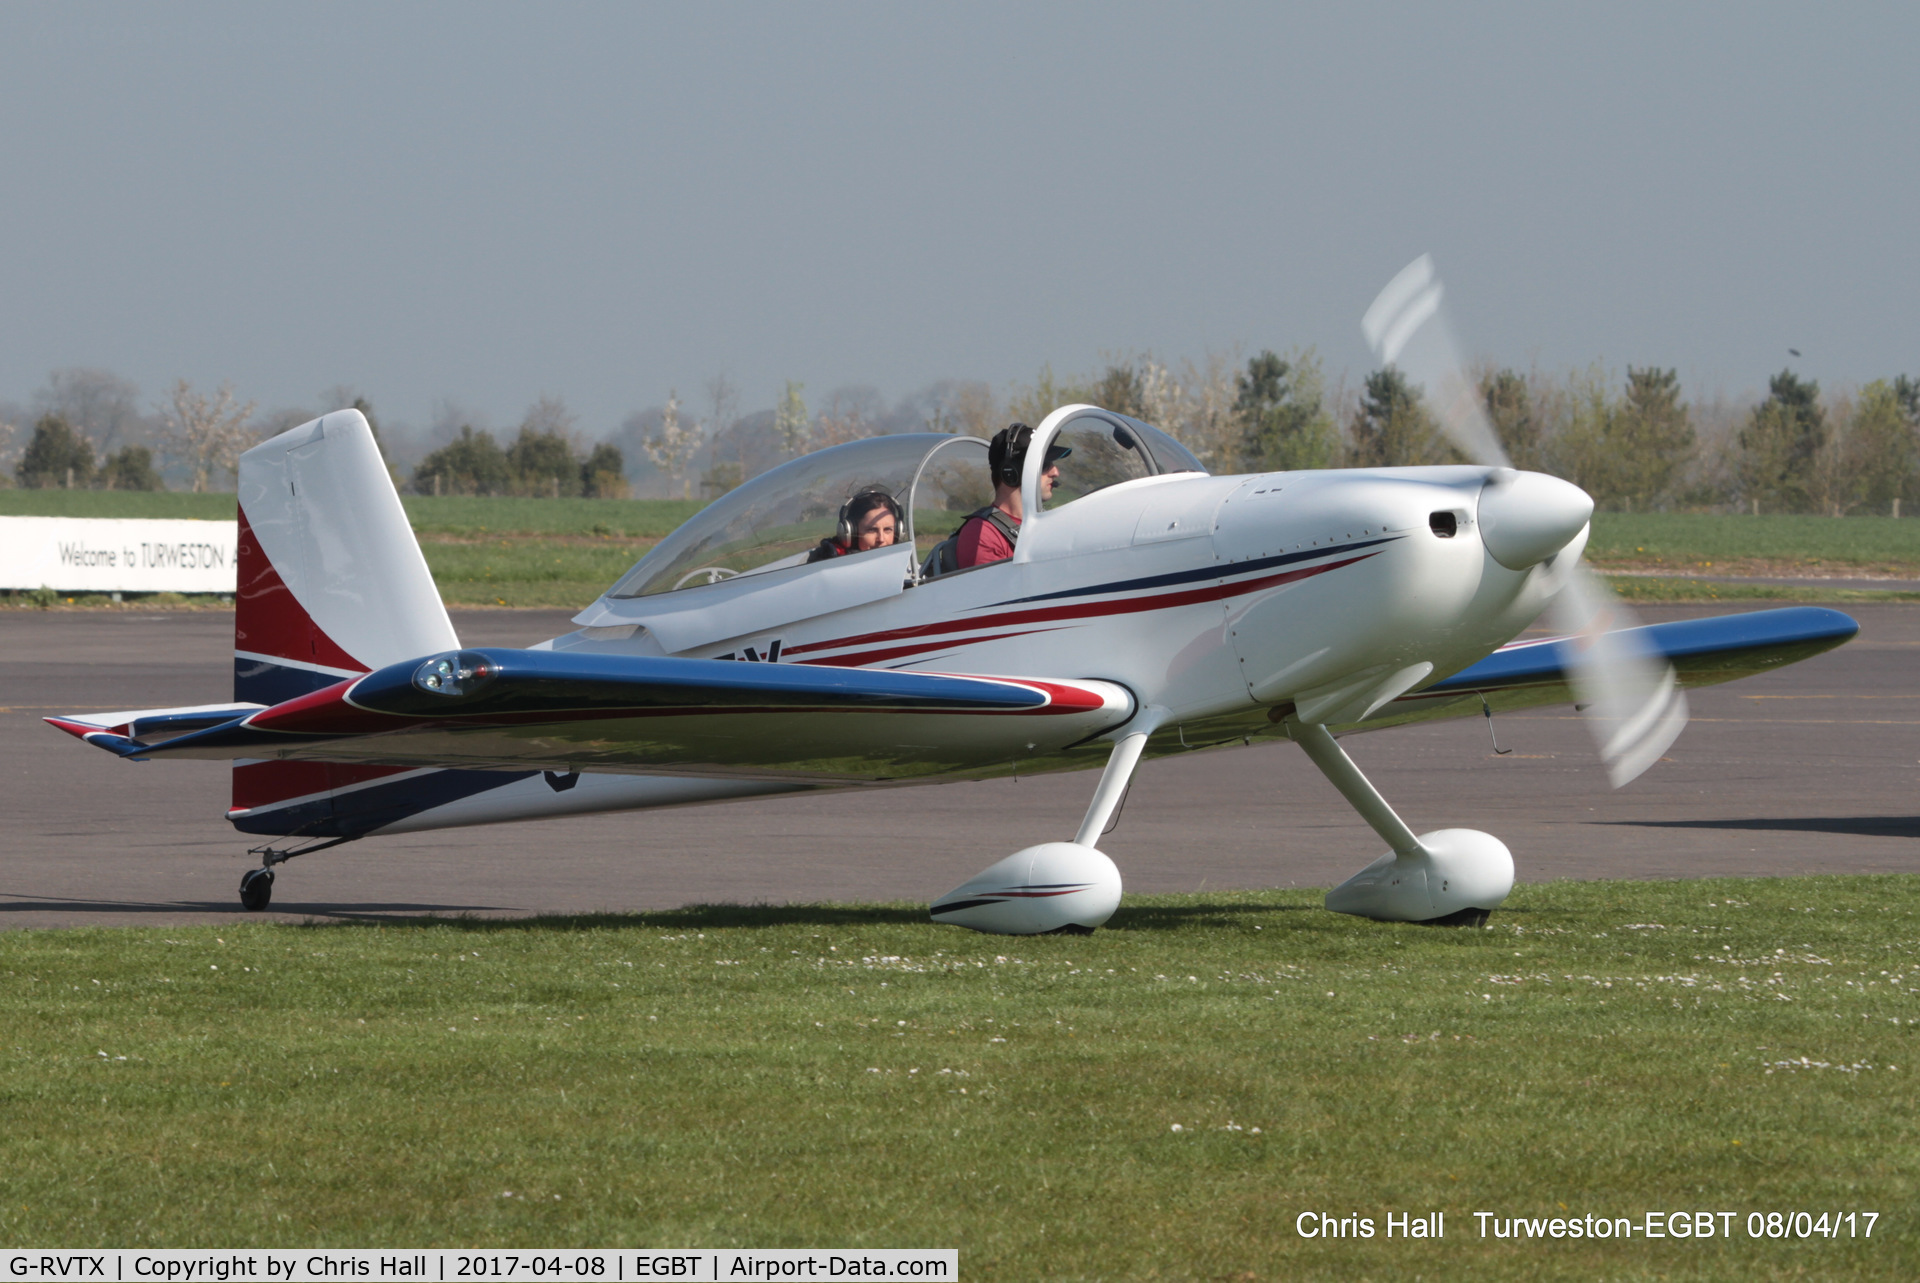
pixel 859 506
pixel 1007 453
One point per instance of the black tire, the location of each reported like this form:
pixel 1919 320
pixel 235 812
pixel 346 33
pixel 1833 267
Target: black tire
pixel 256 889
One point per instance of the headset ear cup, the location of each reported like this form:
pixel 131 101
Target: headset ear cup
pixel 1016 459
pixel 843 533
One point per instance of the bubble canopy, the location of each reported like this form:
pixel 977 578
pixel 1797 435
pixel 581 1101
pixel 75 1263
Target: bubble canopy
pixel 775 520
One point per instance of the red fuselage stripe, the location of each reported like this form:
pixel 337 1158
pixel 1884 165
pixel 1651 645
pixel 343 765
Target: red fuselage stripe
pixel 1050 614
pixel 866 657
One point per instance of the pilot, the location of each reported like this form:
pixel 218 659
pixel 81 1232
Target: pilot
pixel 871 519
pixel 989 534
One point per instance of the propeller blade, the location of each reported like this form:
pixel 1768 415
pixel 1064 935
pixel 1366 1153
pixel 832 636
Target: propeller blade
pixel 1632 699
pixel 1407 327
pixel 1633 702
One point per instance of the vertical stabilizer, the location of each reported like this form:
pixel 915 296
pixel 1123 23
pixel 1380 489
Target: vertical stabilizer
pixel 332 583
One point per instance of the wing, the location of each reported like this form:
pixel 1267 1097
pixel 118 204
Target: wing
pixel 1530 674
pixel 499 709
pixel 1703 652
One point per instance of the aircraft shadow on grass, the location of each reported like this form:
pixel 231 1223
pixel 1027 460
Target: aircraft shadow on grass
pixel 713 917
pixel 225 908
pixel 1874 826
pixel 693 917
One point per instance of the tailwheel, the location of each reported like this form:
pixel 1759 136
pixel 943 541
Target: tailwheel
pixel 256 885
pixel 256 889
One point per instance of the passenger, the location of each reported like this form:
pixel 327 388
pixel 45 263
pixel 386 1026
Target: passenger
pixel 989 534
pixel 871 519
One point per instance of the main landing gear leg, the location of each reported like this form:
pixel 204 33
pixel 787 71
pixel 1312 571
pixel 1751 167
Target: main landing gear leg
pixel 1112 789
pixel 1065 887
pixel 1449 877
pixel 256 885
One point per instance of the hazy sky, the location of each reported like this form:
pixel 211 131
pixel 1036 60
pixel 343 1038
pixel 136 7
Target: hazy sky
pixel 489 202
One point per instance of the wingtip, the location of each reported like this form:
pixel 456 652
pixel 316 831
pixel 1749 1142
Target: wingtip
pixel 79 730
pixel 1844 626
pixel 101 738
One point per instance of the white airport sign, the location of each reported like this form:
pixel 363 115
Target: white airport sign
pixel 73 554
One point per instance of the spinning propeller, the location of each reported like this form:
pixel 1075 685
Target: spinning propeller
pixel 1627 689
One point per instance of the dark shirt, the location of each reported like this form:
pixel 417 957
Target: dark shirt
pixel 827 550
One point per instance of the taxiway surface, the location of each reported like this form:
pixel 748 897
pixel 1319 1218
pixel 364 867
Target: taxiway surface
pixel 1802 771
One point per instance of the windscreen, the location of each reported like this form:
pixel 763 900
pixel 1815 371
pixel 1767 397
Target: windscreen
pixel 1101 454
pixel 1168 454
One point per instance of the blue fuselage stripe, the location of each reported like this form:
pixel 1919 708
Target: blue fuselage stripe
pixel 1229 571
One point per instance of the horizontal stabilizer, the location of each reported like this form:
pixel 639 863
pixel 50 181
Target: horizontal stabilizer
pixel 131 733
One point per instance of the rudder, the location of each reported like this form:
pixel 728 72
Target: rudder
pixel 331 580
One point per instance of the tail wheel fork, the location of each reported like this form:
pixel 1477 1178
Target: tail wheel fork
pixel 256 885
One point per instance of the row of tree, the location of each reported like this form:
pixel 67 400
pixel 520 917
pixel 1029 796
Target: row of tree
pixel 57 456
pixel 1635 443
pixel 89 433
pixel 544 460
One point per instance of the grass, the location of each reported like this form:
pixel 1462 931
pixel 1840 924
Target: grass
pixel 528 573
pixel 855 1076
pixel 619 518
pixel 566 552
pixel 1656 589
pixel 524 571
pixel 1686 540
pixel 572 573
pixel 482 551
pixel 1673 537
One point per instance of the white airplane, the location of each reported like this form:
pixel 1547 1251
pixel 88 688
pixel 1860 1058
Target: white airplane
pixel 1148 609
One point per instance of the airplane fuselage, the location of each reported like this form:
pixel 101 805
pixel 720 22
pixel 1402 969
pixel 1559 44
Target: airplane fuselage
pixel 1202 595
